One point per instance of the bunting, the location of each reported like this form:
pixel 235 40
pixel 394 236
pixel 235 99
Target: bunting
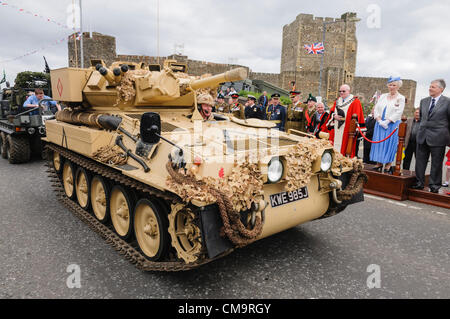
pixel 34 14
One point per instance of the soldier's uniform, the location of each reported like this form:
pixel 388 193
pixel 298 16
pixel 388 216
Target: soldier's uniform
pixel 308 116
pixel 236 108
pixel 295 114
pixel 221 107
pixel 254 111
pixel 276 113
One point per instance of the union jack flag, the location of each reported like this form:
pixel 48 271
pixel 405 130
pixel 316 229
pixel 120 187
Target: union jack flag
pixel 316 48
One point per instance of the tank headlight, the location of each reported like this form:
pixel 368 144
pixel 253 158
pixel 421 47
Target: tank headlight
pixel 327 161
pixel 275 170
pixel 31 130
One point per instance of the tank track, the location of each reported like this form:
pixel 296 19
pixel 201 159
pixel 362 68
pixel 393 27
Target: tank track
pixel 128 250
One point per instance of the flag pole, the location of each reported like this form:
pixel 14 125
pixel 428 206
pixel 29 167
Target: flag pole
pixel 81 36
pixel 321 62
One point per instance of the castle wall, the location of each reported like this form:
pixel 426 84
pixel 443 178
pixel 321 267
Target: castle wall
pixel 95 46
pixel 195 67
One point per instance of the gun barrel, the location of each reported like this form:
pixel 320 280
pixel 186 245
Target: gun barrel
pixel 237 74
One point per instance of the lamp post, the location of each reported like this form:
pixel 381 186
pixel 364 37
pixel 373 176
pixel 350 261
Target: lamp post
pixel 354 19
pixel 295 66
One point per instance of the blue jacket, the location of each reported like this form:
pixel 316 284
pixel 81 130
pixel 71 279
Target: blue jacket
pixel 277 113
pixel 34 100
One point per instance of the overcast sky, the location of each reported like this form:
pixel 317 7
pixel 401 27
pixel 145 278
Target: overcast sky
pixel 409 38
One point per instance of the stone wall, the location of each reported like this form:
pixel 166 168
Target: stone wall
pixel 95 46
pixel 272 78
pixel 340 45
pixel 195 67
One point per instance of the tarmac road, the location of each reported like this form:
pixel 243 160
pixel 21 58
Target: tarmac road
pixel 409 242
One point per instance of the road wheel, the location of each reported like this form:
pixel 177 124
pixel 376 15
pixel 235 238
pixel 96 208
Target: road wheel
pixel 82 188
pixel 57 162
pixel 100 199
pixel 150 227
pixel 19 149
pixel 120 206
pixel 68 177
pixel 3 144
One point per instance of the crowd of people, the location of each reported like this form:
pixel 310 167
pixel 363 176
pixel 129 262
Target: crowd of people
pixel 428 132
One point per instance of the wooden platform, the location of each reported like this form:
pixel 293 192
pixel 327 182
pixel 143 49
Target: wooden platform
pixel 398 188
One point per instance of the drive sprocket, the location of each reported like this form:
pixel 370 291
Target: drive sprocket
pixel 185 233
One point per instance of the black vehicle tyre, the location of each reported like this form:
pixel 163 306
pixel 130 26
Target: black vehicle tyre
pixel 3 144
pixel 19 149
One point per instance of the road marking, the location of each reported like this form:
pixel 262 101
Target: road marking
pixel 373 197
pixel 414 207
pixel 392 202
pixel 439 213
pixel 397 203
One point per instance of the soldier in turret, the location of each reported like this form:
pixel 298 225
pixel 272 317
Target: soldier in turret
pixel 276 112
pixel 295 112
pixel 205 104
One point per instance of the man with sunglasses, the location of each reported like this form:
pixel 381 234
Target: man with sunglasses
pixel 276 112
pixel 340 118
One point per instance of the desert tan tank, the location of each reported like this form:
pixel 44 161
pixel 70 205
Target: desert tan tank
pixel 172 189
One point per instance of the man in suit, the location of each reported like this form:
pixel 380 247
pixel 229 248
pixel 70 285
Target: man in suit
pixel 433 135
pixel 410 139
pixel 263 100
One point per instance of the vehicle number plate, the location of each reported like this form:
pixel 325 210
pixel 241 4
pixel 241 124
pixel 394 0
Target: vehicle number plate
pixel 288 197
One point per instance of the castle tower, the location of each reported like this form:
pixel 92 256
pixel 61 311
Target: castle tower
pixel 95 46
pixel 339 60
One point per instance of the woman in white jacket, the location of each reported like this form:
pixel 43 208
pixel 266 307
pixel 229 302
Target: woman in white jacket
pixel 388 113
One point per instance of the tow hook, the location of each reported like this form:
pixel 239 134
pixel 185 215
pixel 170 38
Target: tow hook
pixel 335 185
pixel 258 208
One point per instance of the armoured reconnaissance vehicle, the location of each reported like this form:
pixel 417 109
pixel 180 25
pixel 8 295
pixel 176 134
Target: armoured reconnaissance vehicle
pixel 132 156
pixel 21 128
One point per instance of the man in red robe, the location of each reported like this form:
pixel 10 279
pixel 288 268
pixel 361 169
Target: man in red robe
pixel 340 118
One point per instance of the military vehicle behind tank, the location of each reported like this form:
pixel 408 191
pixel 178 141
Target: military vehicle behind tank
pixel 21 128
pixel 133 157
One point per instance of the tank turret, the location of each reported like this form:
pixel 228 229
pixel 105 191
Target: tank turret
pixel 121 87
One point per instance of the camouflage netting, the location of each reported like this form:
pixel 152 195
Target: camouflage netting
pixel 112 155
pixel 242 187
pixel 233 193
pixel 299 159
pixel 342 164
pixel 126 91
